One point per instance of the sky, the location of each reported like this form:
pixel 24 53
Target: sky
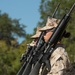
pixel 26 10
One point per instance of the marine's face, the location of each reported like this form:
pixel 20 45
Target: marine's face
pixel 47 35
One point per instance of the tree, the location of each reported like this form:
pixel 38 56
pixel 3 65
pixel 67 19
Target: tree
pixel 9 28
pixel 47 8
pixel 10 55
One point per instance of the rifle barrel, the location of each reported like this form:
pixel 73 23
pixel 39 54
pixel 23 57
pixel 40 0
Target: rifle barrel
pixel 71 9
pixel 56 10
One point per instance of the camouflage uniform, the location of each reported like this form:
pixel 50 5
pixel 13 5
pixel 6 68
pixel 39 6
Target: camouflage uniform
pixel 59 59
pixel 59 62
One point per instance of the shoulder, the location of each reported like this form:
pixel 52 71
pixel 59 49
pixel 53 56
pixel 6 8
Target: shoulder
pixel 59 52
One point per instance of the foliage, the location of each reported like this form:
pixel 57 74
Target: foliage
pixel 10 50
pixel 10 58
pixel 9 28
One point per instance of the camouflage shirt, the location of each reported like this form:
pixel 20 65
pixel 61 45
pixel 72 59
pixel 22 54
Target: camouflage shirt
pixel 59 61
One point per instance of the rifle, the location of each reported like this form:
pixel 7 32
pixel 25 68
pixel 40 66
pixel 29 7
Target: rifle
pixel 28 55
pixel 39 44
pixel 56 36
pixel 29 64
pixel 24 58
